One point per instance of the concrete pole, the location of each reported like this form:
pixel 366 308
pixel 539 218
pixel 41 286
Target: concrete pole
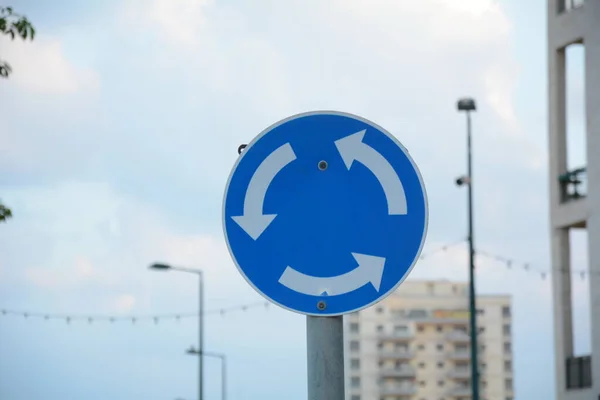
pixel 325 351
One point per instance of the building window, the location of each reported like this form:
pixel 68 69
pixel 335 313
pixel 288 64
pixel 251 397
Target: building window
pixel 569 5
pixel 439 328
pixel 506 311
pixel 462 329
pixel 379 310
pixel 507 347
pixel 506 329
pixel 399 313
pixel 354 327
pixel 380 363
pixel 454 289
pixel 579 372
pixel 400 328
pixel 379 328
pixel 440 365
pixel 421 347
pixel 460 347
pixel 355 363
pixel 484 384
pixel 481 329
pixel 440 347
pixel 507 366
pixel 355 397
pixel 354 345
pixel 440 383
pixel 380 345
pixel 355 382
pixel 418 313
pixel 482 347
pixel 420 328
pixel 421 365
pixel 430 288
pixel 480 311
pixel 508 384
pixel 401 347
pixel 422 383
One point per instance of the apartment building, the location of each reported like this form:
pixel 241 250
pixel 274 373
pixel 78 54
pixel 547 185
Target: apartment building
pixel 414 345
pixel 574 31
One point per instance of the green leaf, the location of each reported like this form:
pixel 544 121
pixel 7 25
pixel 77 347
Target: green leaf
pixel 5 69
pixel 5 213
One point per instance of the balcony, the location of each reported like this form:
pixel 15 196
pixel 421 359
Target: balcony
pixel 400 390
pixel 460 392
pixel 396 354
pixel 458 337
pixel 579 372
pixel 569 5
pixel 460 374
pixel 460 355
pixel 402 372
pixel 445 317
pixel 396 336
pixel 573 185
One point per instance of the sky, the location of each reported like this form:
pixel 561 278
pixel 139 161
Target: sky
pixel 120 125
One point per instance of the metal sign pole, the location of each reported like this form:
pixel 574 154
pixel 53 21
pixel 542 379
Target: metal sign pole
pixel 325 351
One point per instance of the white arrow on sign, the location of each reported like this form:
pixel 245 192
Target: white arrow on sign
pixel 369 270
pixel 352 148
pixel 254 222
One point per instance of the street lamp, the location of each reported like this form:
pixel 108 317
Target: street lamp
pixel 221 356
pixel 167 267
pixel 468 105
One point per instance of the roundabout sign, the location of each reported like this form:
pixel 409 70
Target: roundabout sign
pixel 325 213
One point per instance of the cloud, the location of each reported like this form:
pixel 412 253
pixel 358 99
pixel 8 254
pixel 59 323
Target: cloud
pixel 124 303
pixel 81 272
pixel 42 67
pixel 93 242
pixel 207 76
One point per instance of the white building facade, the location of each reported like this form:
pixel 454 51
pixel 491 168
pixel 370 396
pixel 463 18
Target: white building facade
pixel 414 345
pixel 573 195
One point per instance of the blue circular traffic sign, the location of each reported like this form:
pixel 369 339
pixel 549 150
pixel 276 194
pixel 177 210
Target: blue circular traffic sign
pixel 325 213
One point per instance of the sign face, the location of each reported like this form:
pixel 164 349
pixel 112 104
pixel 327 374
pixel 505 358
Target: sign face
pixel 325 213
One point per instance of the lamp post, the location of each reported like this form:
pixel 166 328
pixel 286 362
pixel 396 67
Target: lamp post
pixel 468 105
pixel 166 267
pixel 223 358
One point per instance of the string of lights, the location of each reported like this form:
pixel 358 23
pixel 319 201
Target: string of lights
pixel 441 249
pixel 131 318
pixel 513 264
pixel 90 319
pixel 509 263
